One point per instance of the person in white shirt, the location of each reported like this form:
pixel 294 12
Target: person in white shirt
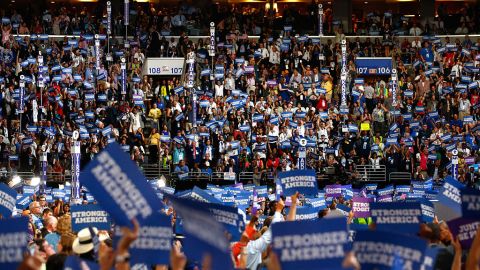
pixel 274 55
pixel 254 249
pixel 416 43
pixel 415 30
pixel 219 89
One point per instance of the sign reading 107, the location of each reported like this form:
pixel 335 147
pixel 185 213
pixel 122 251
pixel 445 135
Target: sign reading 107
pixel 165 69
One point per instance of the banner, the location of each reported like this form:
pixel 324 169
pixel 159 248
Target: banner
pixel 211 51
pixel 303 244
pixel 343 76
pixel 14 238
pixel 8 199
pixel 303 181
pixel 320 20
pixel 154 242
pixel 76 171
pixel 204 235
pixel 163 66
pixel 43 171
pixel 376 250
pixel 401 217
pixel 119 187
pixel 361 207
pixel 123 67
pixel 89 215
pixel 126 12
pixel 470 203
pixel 465 229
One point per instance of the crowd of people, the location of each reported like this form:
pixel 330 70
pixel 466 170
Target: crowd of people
pixel 266 95
pixel 247 18
pixel 255 103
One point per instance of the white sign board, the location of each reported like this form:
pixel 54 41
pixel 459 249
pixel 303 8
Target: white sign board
pixel 163 66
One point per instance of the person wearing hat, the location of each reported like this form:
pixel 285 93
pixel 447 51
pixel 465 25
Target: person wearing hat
pixel 83 244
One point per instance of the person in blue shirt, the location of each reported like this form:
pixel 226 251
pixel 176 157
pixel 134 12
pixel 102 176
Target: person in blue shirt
pixel 426 53
pixel 181 167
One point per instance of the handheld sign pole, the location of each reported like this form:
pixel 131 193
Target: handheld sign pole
pixel 109 25
pixel 43 164
pixel 97 52
pixel 21 106
pixel 320 20
pixel 302 155
pixel 343 79
pixel 394 87
pixel 454 163
pixel 123 66
pixel 75 198
pixel 211 52
pixel 126 13
pixel 41 82
pixel 190 84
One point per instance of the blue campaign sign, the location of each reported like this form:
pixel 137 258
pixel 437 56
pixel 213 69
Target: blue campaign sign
pixel 402 217
pixel 308 244
pixel 14 239
pixel 318 203
pixel 75 263
pixel 201 195
pixel 89 215
pixel 229 217
pixel 373 65
pixel 303 181
pixel 378 250
pixel 428 210
pixel 228 198
pixel 306 213
pixel 449 205
pixel 119 187
pixel 8 199
pixel 154 241
pixel 58 193
pixel 262 191
pixel 470 203
pixel 23 202
pixel 204 235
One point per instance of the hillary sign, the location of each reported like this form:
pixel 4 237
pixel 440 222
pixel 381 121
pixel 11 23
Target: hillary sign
pixel 163 66
pixel 303 181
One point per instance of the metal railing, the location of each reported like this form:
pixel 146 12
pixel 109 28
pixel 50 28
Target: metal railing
pixel 400 177
pixel 371 173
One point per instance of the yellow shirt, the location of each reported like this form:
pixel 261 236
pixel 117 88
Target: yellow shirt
pixel 154 138
pixel 155 113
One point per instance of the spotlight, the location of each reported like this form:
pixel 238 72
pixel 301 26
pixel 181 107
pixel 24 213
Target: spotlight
pixel 161 182
pixel 35 181
pixel 16 180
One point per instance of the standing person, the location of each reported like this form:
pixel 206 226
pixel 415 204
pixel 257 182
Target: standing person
pixel 369 94
pixel 379 118
pixel 153 147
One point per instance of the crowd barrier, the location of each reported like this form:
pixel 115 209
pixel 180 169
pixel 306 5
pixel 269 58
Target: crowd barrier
pixel 363 173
